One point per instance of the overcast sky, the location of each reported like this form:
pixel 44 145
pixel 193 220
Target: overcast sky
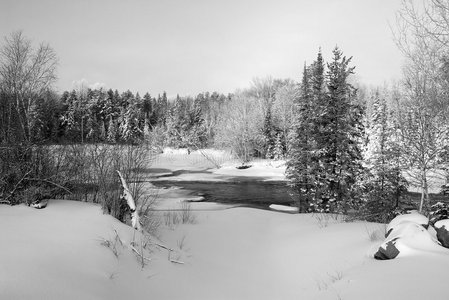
pixel 190 46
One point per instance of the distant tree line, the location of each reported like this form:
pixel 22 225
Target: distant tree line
pixel 106 116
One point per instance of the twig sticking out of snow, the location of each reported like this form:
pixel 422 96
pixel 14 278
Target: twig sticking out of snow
pixel 140 254
pixel 169 254
pixel 117 238
pixel 165 247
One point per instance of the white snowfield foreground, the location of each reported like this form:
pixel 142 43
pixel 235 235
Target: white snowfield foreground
pixel 409 234
pixel 238 253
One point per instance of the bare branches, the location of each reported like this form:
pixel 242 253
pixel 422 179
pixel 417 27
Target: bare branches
pixel 16 186
pixel 422 34
pixel 422 25
pixel 26 74
pixel 50 182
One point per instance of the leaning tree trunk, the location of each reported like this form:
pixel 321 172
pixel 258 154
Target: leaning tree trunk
pixel 126 195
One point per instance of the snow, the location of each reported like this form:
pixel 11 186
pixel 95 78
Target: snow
pixel 217 165
pixel 229 253
pixel 270 170
pixel 239 253
pixel 284 208
pixel 412 238
pixel 413 217
pixel 442 223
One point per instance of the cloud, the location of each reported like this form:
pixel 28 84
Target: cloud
pixel 83 83
pixel 98 86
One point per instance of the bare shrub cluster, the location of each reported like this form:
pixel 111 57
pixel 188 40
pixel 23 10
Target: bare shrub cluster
pixel 29 173
pixel 83 172
pixel 96 179
pixel 183 215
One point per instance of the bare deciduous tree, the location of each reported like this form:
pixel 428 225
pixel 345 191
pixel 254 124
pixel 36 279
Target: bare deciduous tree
pixel 428 18
pixel 238 127
pixel 283 106
pixel 422 34
pixel 25 74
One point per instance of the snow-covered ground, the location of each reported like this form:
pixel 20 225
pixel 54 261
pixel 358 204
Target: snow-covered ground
pixel 202 166
pixel 239 253
pixel 61 252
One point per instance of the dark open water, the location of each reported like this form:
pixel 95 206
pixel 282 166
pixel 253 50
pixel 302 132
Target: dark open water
pixel 252 193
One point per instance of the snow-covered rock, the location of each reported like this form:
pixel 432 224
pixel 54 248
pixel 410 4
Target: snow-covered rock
pixel 387 250
pixel 406 238
pixel 39 204
pixel 413 217
pixel 442 229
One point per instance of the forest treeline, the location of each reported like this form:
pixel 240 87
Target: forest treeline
pixel 347 147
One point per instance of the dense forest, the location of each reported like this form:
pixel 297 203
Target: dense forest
pixel 346 146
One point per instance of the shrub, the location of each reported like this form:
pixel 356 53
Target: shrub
pixel 438 211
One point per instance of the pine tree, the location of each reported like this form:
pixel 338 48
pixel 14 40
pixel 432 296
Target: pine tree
pixel 129 128
pixel 384 183
pixel 301 166
pixel 268 134
pixel 279 148
pixel 112 131
pixel 69 119
pixel 339 132
pixel 147 111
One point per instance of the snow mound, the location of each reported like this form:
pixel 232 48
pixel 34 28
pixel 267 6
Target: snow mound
pixel 413 217
pixel 442 223
pixel 284 208
pixel 263 168
pixel 409 234
pixel 181 151
pixel 405 239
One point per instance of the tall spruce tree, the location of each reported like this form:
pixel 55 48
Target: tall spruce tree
pixel 301 166
pixel 338 134
pixel 269 134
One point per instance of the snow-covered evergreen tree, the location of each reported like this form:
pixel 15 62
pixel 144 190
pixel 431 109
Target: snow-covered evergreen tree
pixel 438 211
pixel 338 134
pixel 302 167
pixel 129 128
pixel 279 147
pixel 383 183
pixel 268 132
pixel 112 131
